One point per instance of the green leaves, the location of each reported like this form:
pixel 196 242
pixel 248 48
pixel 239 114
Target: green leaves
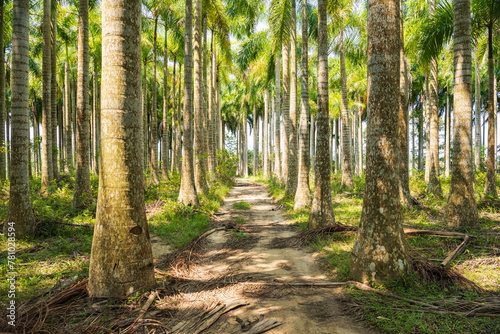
pixel 279 22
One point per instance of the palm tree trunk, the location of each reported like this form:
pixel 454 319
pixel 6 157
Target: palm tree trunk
pixel 2 97
pixel 53 94
pixel 461 209
pixel 121 246
pixel 285 111
pixel 277 100
pixel 68 120
pixel 178 135
pixel 47 172
pixel 255 141
pixel 154 114
pixel 312 142
pixel 421 135
pixel 477 116
pixel 322 209
pixel 434 183
pixel 174 123
pixel 20 221
pixel 380 252
pixel 212 138
pixel 208 133
pixel 165 136
pixel 427 129
pixel 199 140
pixel 292 137
pixel 83 192
pixel 303 194
pixel 448 136
pixel 404 180
pixel 360 142
pixel 490 186
pixel 187 193
pixel 347 180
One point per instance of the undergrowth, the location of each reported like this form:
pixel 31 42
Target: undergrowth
pixel 480 262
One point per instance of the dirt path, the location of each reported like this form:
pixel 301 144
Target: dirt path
pixel 251 254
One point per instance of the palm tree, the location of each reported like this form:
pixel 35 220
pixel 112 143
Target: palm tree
pixel 291 185
pixel 322 208
pixel 187 193
pixel 47 172
pixel 277 113
pixel 379 252
pixel 165 136
pixel 121 246
pixel 461 209
pixel 199 171
pixel 82 192
pixel 20 217
pixel 53 87
pixel 2 97
pixel 154 114
pixel 433 162
pixel 303 194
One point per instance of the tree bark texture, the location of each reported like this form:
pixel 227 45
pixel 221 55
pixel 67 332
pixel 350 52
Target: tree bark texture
pixel 347 180
pixel 68 120
pixel 291 185
pixel 154 113
pixel 165 135
pixel 303 193
pixel 277 124
pixel 188 194
pixel 477 114
pixel 3 147
pixel 121 261
pixel 47 172
pixel 380 251
pixel 461 209
pixel 83 192
pixel 490 187
pixel 286 125
pixel 19 210
pixel 322 208
pixel 199 140
pixel 53 92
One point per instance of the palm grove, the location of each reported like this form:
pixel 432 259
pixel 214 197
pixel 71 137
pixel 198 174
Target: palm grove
pixel 80 96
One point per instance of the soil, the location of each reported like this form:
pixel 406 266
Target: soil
pixel 231 260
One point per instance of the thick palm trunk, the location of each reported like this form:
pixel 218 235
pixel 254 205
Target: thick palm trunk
pixel 68 121
pixel 178 135
pixel 277 124
pixel 360 142
pixel 83 192
pixel 322 209
pixel 165 135
pixel 292 136
pixel 121 262
pixel 212 136
pixel 490 186
pixel 266 137
pixel 303 194
pixel 208 133
pixel 477 114
pixel 312 143
pixel 47 172
pixel 174 123
pixel 199 142
pixel 96 133
pixel 154 121
pixel 285 111
pixel 20 221
pixel 380 251
pixel 53 94
pixel 461 209
pixel 347 180
pixel 187 193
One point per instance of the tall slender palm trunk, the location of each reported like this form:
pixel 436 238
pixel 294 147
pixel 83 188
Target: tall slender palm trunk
pixel 490 187
pixel 154 113
pixel 187 193
pixel 277 124
pixel 212 105
pixel 2 98
pixel 291 185
pixel 285 111
pixel 461 209
pixel 53 92
pixel 347 180
pixel 322 208
pixel 165 135
pixel 83 192
pixel 380 251
pixel 447 136
pixel 174 123
pixel 199 142
pixel 68 120
pixel 20 221
pixel 303 194
pixel 477 113
pixel 265 132
pixel 121 261
pixel 47 172
pixel 255 141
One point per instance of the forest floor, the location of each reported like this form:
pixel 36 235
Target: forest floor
pixel 249 263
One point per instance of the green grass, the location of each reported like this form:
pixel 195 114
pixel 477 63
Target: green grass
pixel 242 205
pixel 240 220
pixel 389 314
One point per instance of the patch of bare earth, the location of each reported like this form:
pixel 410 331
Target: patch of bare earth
pixel 237 281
